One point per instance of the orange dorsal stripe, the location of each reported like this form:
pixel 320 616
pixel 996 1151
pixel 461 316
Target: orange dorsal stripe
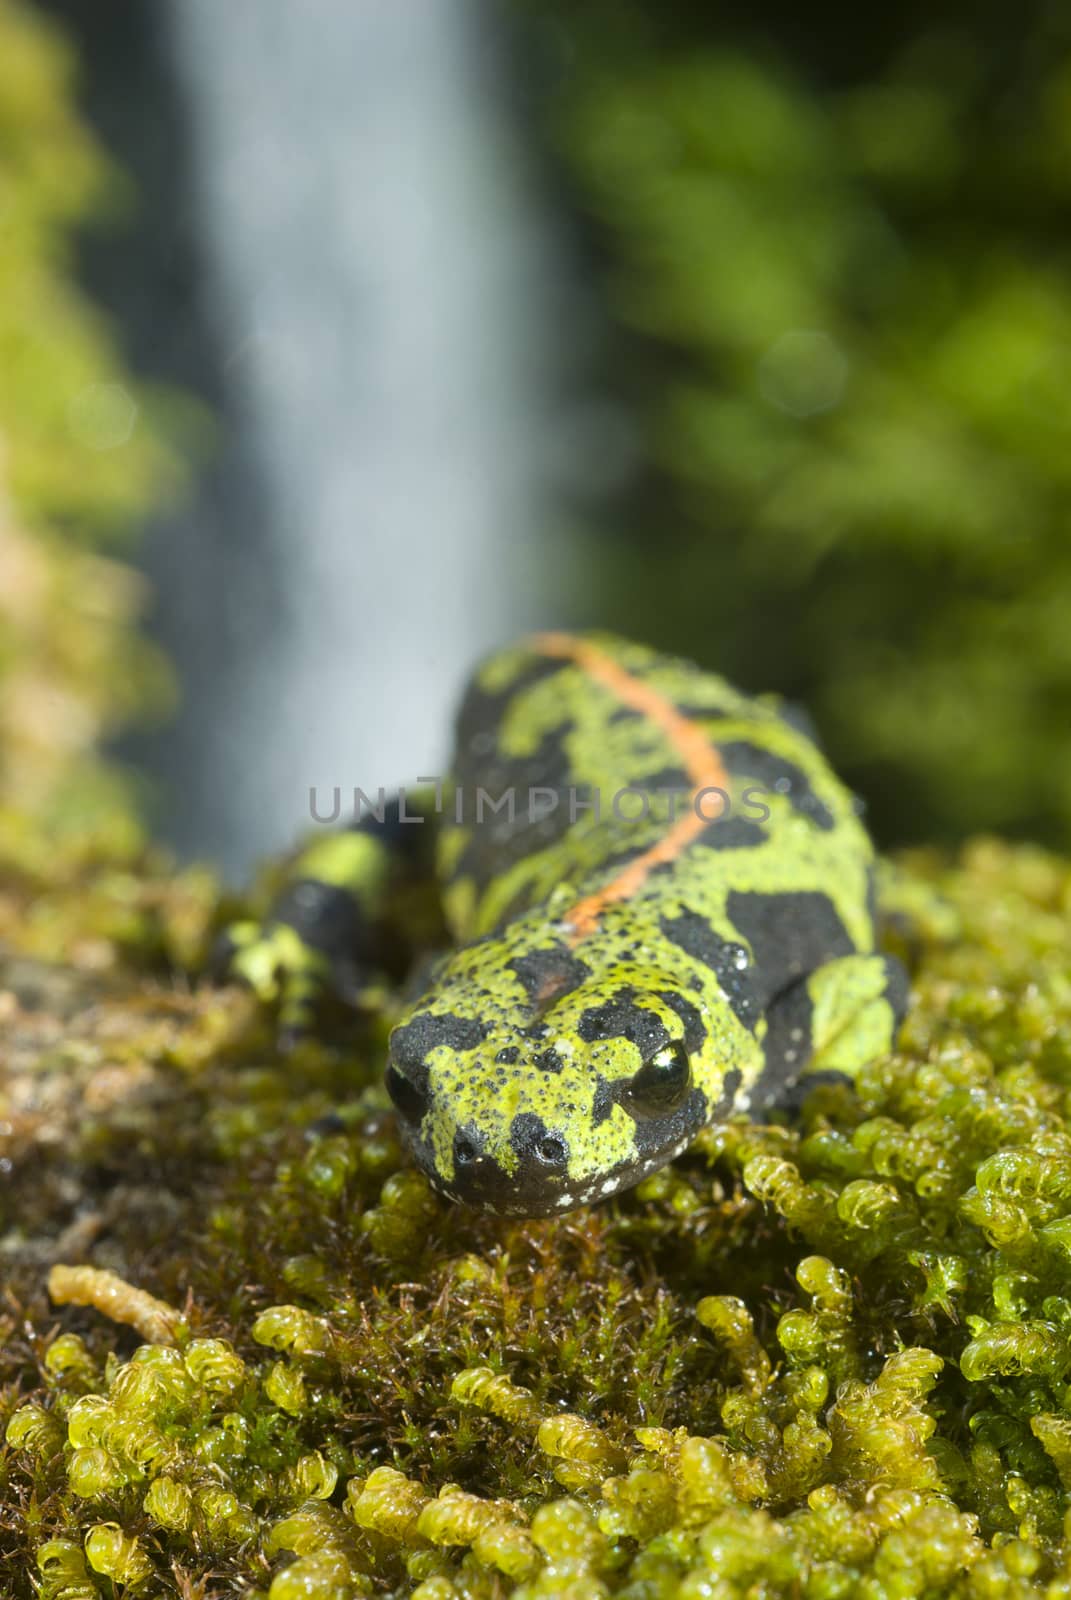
pixel 698 756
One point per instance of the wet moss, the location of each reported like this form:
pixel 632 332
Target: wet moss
pixel 826 1358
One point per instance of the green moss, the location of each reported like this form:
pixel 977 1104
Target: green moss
pixel 827 1359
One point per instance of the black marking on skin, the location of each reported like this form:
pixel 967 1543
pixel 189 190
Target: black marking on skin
pixel 326 917
pixel 666 778
pixel 727 1098
pixel 897 988
pixel 482 711
pixel 406 840
pixel 746 760
pixel 790 935
pixel 620 1018
pixel 412 1041
pixel 548 974
pixel 497 843
pixel 408 1091
pixel 617 860
pixel 603 1101
pixel 732 833
pixel 531 1138
pixel 694 935
pixel 872 895
pixel 789 1041
pixel 509 1056
pixel 548 1060
pixel 787 1046
pixel 699 713
pixel 694 1031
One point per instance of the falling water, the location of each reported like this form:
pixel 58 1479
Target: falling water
pixel 375 279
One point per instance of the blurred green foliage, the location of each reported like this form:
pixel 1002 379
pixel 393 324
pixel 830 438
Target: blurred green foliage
pixel 836 259
pixel 80 460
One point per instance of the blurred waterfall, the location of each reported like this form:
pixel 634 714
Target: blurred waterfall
pixel 375 278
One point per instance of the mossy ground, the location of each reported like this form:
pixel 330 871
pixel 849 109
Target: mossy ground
pixel 828 1359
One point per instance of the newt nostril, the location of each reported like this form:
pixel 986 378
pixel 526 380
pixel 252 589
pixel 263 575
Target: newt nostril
pixel 552 1150
pixel 465 1149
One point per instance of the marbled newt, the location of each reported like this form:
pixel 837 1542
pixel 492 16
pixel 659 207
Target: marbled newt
pixel 662 900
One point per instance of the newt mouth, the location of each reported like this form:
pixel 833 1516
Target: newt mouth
pixel 483 1185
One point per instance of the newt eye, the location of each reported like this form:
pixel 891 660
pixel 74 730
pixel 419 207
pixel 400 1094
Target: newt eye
pixel 662 1083
pixel 410 1101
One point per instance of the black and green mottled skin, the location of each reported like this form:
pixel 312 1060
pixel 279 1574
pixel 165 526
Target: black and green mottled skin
pixel 733 968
